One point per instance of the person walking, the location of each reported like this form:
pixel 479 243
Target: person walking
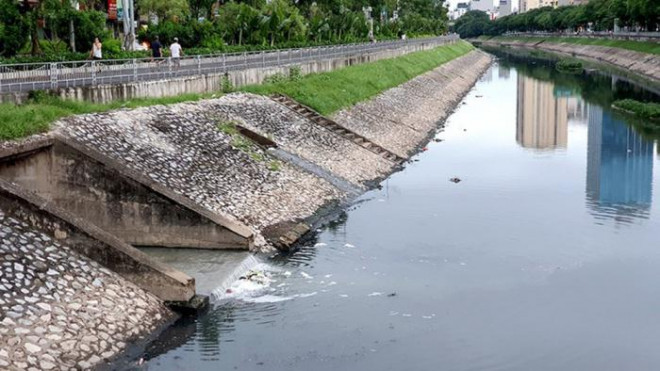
pixel 97 50
pixel 156 49
pixel 176 52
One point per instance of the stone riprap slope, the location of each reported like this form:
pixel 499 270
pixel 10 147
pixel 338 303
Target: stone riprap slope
pixel 302 137
pixel 61 310
pixel 643 64
pixel 401 119
pixel 181 147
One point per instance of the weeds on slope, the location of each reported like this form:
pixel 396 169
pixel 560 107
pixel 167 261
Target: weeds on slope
pixel 331 91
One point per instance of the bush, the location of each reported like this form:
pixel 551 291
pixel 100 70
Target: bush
pixel 569 65
pixel 295 73
pixel 645 110
pixel 227 85
pixel 275 78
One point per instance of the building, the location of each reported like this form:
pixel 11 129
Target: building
pixel 483 5
pixel 461 8
pixel 571 2
pixel 526 5
pixel 505 8
pixel 542 118
pixel 619 168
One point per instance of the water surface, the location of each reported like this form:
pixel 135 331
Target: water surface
pixel 545 256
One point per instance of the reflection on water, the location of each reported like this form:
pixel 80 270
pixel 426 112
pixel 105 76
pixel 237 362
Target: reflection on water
pixel 619 168
pixel 542 120
pixel 619 160
pixel 509 269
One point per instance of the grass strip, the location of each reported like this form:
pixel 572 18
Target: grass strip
pixel 638 46
pixel 331 91
pixel 17 121
pixel 644 110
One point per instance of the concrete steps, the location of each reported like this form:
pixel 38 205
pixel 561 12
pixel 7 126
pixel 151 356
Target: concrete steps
pixel 332 126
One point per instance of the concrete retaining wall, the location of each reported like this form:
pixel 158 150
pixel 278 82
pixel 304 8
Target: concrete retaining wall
pixel 213 82
pixel 642 64
pixel 119 205
pixel 88 240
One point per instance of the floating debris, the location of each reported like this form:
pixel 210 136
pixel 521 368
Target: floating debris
pixel 307 276
pixel 455 180
pixel 392 294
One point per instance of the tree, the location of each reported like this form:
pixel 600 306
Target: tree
pixel 164 9
pixel 13 28
pixel 472 24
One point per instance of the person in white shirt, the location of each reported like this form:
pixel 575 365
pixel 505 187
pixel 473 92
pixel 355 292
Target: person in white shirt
pixel 176 52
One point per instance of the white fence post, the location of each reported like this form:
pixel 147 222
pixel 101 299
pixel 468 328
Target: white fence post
pixel 135 70
pixel 53 75
pixel 93 73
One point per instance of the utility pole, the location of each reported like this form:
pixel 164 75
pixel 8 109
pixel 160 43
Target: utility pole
pixel 129 24
pixel 72 31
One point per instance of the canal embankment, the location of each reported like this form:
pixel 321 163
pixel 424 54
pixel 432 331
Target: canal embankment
pixel 241 171
pixel 644 64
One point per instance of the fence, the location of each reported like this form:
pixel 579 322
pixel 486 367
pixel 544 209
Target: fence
pixel 49 76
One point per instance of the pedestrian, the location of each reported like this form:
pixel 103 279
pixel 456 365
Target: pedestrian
pixel 156 49
pixel 96 53
pixel 176 52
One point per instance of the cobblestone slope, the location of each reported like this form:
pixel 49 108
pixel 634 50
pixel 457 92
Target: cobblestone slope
pixel 59 309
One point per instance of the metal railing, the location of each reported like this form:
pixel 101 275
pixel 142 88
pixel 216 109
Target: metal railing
pixel 47 76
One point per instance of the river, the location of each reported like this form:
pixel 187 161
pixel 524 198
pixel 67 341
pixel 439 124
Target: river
pixel 545 256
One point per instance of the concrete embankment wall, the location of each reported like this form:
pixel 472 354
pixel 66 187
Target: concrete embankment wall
pixel 213 82
pixel 183 147
pixel 59 309
pixel 642 64
pixel 401 118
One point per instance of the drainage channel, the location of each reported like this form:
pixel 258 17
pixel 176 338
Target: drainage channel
pixel 334 127
pixel 349 188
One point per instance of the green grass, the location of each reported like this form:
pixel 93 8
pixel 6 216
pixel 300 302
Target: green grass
pixel 327 92
pixel 638 46
pixel 331 91
pixel 17 121
pixel 644 110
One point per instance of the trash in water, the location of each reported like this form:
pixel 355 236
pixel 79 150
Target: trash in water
pixel 455 180
pixel 255 276
pixel 424 149
pixel 438 140
pixel 478 96
pixel 307 276
pixel 392 294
